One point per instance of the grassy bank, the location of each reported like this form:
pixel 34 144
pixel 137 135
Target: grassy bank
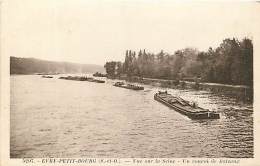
pixel 240 92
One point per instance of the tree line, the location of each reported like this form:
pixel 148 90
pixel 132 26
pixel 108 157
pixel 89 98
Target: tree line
pixel 230 63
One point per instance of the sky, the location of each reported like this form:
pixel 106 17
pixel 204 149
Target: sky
pixel 96 31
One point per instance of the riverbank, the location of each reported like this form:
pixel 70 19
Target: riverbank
pixel 240 92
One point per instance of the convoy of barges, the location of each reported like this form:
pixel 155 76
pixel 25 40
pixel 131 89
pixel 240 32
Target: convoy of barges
pixel 187 108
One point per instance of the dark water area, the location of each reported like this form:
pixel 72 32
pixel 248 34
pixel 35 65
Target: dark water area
pixel 63 118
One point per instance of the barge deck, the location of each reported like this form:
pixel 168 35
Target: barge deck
pixel 184 107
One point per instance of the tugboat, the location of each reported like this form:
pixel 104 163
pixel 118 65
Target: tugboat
pixel 128 86
pixel 185 107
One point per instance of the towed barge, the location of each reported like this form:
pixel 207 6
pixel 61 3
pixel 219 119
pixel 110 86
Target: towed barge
pixel 185 107
pixel 128 86
pixel 95 80
pixel 77 78
pixel 47 76
pixel 97 74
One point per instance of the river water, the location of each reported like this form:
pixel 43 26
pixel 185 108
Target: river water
pixel 63 118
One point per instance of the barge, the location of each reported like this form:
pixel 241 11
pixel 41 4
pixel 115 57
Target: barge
pixel 97 74
pixel 77 78
pixel 128 86
pixel 47 77
pixel 185 107
pixel 95 80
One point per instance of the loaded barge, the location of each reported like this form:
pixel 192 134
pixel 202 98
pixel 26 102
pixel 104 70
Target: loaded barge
pixel 47 77
pixel 77 78
pixel 128 86
pixel 97 74
pixel 185 107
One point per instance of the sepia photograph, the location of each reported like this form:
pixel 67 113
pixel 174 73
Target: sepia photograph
pixel 130 79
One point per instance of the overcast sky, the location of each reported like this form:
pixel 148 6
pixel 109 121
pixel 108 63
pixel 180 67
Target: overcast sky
pixel 91 31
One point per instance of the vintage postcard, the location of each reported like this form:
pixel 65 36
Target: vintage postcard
pixel 129 82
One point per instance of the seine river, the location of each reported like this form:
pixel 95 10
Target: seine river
pixel 63 118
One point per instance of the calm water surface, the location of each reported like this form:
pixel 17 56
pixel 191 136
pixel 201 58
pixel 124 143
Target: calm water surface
pixel 62 118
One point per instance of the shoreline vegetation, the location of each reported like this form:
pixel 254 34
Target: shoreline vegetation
pixel 227 69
